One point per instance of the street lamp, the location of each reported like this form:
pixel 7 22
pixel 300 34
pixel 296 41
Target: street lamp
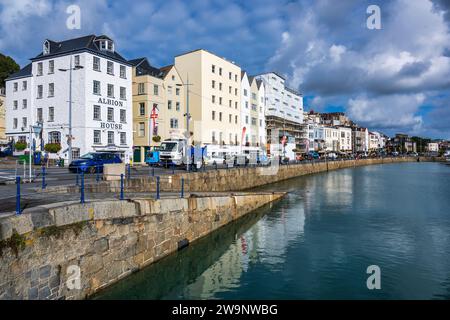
pixel 70 104
pixel 188 116
pixel 36 129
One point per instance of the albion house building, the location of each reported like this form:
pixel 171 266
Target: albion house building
pixel 38 96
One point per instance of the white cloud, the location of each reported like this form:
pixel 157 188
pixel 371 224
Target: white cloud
pixel 390 112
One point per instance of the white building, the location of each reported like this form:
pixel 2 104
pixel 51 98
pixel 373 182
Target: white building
pixel 345 139
pixel 284 109
pixel 376 141
pixel 433 147
pixel 257 112
pixel 246 126
pixel 101 97
pixel 331 139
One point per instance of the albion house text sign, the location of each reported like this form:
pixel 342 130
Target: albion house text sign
pixel 106 125
pixel 110 102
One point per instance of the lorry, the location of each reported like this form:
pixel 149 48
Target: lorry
pixel 173 152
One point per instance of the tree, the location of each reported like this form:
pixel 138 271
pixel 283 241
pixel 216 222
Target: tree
pixel 7 67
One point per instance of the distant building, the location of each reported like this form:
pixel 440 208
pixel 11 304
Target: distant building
pixel 377 141
pixel 332 139
pixel 433 147
pixel 345 139
pixel 335 119
pixel 360 139
pixel 402 143
pixel 2 115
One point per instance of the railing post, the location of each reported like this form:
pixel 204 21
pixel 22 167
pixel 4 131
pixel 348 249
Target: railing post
pixel 121 186
pixel 82 188
pixel 157 188
pixel 44 185
pixel 128 171
pixel 18 210
pixel 182 187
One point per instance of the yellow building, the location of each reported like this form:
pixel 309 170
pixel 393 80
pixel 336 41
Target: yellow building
pixel 158 106
pixel 214 97
pixel 2 116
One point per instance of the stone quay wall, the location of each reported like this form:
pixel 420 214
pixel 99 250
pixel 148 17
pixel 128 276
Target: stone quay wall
pixel 233 179
pixel 73 250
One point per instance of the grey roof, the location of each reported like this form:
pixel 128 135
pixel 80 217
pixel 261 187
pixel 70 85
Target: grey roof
pixel 86 43
pixel 22 73
pixel 165 70
pixel 144 68
pixel 259 83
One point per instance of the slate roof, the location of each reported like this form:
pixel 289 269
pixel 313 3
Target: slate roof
pixel 22 73
pixel 86 43
pixel 165 70
pixel 144 68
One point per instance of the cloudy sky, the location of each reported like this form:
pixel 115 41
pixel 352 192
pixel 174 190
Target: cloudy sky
pixel 396 79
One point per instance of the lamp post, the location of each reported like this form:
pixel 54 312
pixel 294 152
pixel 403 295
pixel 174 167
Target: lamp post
pixel 36 130
pixel 188 116
pixel 69 140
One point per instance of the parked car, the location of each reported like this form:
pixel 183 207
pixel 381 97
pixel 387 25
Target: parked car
pixel 93 162
pixel 332 155
pixel 5 151
pixel 312 155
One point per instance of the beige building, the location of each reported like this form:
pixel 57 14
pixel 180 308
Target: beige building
pixel 214 97
pixel 158 106
pixel 2 115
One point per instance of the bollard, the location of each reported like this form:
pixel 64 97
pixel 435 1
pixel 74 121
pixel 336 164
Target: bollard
pixel 82 188
pixel 44 185
pixel 173 168
pixel 121 186
pixel 157 188
pixel 182 187
pixel 18 211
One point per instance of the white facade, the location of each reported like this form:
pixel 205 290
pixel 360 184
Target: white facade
pixel 246 126
pixel 101 102
pixel 281 101
pixel 433 147
pixel 376 141
pixel 345 139
pixel 261 107
pixel 331 139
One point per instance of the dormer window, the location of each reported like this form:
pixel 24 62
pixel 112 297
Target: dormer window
pixel 107 45
pixel 46 49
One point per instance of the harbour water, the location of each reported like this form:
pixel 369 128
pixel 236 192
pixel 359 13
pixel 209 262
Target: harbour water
pixel 318 242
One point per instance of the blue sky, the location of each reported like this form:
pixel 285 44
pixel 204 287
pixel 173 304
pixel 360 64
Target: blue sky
pixel 396 79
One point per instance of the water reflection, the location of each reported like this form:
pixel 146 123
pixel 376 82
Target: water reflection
pixel 318 241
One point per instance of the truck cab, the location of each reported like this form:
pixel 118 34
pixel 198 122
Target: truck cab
pixel 172 151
